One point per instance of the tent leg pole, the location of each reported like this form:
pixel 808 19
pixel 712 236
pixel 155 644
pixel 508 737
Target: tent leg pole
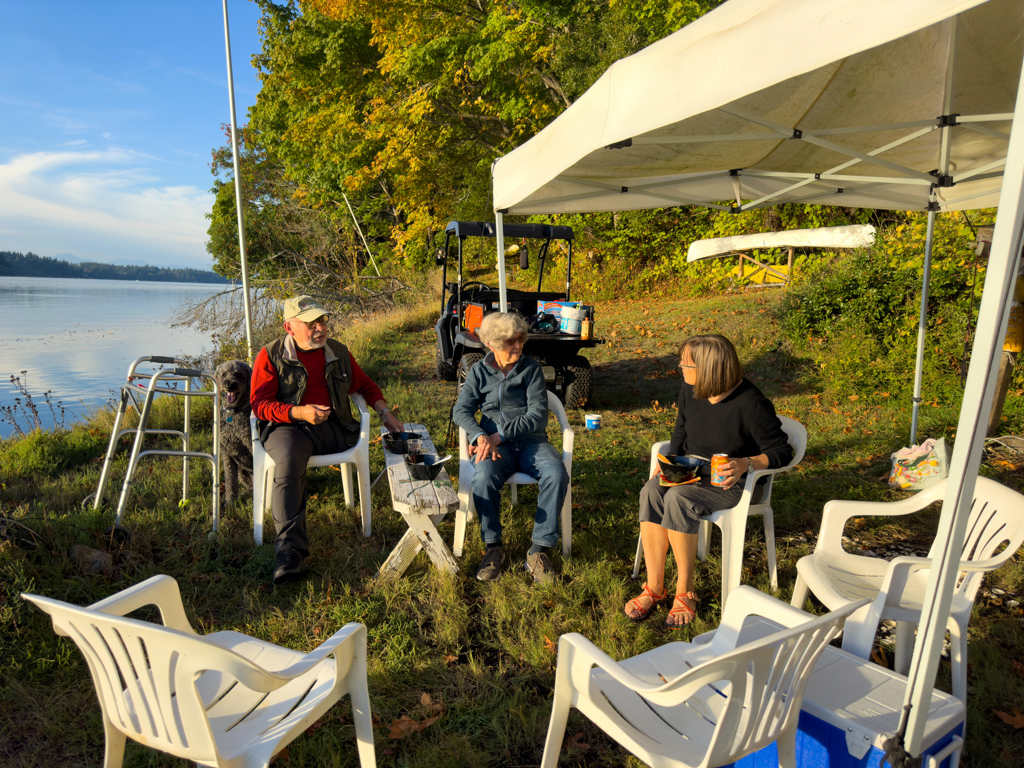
pixel 499 236
pixel 997 296
pixel 921 325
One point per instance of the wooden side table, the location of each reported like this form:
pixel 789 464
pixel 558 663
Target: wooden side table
pixel 423 504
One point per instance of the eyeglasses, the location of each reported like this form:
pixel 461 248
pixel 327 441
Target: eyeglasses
pixel 684 366
pixel 322 320
pixel 517 341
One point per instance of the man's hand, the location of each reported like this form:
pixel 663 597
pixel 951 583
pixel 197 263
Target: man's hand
pixel 390 422
pixel 486 445
pixel 314 414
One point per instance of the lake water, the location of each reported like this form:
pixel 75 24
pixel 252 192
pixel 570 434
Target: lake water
pixel 78 337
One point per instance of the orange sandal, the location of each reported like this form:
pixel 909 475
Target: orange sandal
pixel 680 608
pixel 643 613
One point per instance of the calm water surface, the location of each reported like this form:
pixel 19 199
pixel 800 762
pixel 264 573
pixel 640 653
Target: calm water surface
pixel 78 337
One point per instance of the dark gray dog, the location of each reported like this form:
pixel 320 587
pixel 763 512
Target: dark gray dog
pixel 235 441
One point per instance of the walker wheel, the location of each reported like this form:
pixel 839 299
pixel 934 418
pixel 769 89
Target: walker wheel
pixel 88 501
pixel 117 536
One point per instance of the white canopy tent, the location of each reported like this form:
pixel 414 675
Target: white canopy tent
pixel 902 105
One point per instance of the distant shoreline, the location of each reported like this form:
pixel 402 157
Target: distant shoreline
pixel 219 281
pixel 30 265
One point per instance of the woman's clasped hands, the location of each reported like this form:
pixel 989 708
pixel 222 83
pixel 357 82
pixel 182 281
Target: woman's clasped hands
pixel 486 447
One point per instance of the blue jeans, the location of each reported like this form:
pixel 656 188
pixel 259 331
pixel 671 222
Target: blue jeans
pixel 539 460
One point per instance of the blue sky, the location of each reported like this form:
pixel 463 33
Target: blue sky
pixel 108 113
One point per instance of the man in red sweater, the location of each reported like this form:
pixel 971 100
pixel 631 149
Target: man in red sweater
pixel 300 387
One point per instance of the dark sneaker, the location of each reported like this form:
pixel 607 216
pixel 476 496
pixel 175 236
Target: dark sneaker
pixel 291 566
pixel 490 566
pixel 541 569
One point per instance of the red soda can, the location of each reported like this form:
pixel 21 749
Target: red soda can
pixel 718 461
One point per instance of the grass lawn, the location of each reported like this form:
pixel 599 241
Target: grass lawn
pixel 478 656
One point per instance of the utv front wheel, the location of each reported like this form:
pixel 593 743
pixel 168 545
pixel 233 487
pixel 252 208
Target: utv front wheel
pixel 445 370
pixel 468 361
pixel 579 382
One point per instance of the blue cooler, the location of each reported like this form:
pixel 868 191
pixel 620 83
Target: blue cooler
pixel 850 708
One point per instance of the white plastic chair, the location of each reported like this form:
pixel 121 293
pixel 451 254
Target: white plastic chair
pixel 263 467
pixel 697 705
pixel 897 588
pixel 467 509
pixel 733 521
pixel 223 699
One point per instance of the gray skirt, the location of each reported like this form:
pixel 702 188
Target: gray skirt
pixel 680 507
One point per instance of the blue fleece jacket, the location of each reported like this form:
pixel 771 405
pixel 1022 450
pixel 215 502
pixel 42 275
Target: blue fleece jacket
pixel 513 406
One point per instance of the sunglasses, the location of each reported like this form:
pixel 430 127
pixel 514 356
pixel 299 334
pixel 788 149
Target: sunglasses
pixel 322 320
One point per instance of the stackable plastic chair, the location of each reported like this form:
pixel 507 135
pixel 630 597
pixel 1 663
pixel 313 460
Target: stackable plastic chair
pixel 263 468
pixel 224 699
pixel 733 521
pixel 467 509
pixel 697 705
pixel 995 532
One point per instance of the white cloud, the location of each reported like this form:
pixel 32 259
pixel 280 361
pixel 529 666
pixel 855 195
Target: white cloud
pixel 100 205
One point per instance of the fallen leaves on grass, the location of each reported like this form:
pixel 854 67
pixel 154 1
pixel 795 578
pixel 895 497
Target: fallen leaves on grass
pixel 878 656
pixel 401 729
pixel 406 726
pixel 550 644
pixel 1016 719
pixel 576 742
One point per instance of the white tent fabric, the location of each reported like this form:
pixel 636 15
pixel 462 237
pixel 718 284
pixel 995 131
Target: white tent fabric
pixel 905 105
pixel 851 236
pixel 837 102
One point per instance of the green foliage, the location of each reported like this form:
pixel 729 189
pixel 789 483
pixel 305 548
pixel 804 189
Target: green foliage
pixel 857 314
pixel 48 453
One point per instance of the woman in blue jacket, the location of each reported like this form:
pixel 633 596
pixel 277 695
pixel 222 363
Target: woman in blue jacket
pixel 511 436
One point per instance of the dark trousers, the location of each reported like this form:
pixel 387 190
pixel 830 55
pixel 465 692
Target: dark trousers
pixel 290 446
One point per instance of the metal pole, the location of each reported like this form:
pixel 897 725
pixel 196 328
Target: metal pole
pixel 499 235
pixel 977 403
pixel 238 187
pixel 921 325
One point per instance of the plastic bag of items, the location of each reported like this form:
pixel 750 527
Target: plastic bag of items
pixel 917 467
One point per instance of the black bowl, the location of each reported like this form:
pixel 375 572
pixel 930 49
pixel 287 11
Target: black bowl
pixel 426 468
pixel 680 469
pixel 398 442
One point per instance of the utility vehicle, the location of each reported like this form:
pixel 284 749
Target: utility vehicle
pixel 566 371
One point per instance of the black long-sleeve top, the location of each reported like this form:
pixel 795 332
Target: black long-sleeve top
pixel 742 425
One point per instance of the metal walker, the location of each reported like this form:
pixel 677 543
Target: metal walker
pixel 158 381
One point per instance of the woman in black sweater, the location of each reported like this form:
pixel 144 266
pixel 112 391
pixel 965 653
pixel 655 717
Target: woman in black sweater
pixel 719 412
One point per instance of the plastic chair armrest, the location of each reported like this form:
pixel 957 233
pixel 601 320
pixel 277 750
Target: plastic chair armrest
pixel 364 416
pixel 318 654
pixel 574 648
pixel 463 445
pixel 161 591
pixel 745 601
pixel 655 450
pixel 254 428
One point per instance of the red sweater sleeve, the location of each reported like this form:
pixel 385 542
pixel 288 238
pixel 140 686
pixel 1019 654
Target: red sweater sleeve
pixel 263 391
pixel 363 384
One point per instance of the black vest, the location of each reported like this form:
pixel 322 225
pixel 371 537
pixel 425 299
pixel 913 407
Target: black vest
pixel 291 379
